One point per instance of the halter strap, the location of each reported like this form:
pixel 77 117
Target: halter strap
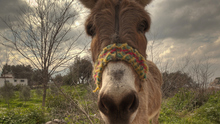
pixel 122 52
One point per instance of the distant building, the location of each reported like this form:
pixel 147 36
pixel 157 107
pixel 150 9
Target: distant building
pixel 10 78
pixel 215 83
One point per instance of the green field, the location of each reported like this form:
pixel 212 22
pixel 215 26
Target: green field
pixel 186 107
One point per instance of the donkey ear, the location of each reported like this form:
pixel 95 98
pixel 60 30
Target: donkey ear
pixel 88 3
pixel 143 2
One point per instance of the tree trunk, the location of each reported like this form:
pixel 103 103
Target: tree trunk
pixel 44 93
pixel 45 82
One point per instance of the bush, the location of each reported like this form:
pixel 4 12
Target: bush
pixel 191 107
pixel 18 116
pixel 167 115
pixel 190 100
pixel 25 93
pixel 57 104
pixel 7 92
pixel 60 107
pixel 39 92
pixel 211 110
pixel 53 89
pixel 18 87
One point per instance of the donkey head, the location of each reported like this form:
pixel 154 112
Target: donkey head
pixel 118 21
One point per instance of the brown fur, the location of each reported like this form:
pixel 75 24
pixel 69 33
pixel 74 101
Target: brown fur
pixel 149 95
pixel 131 14
pixel 102 18
pixel 144 2
pixel 89 3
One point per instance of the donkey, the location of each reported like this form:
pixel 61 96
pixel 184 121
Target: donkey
pixel 126 94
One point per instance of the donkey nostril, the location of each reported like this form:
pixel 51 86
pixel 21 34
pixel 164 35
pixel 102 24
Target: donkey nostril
pixel 103 105
pixel 106 104
pixel 129 103
pixel 133 104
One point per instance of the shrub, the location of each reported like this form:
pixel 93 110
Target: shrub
pixel 39 92
pixel 211 110
pixel 181 100
pixel 25 93
pixel 61 107
pixel 53 89
pixel 7 92
pixel 35 116
pixel 18 87
pixel 190 100
pixel 57 104
pixel 27 116
pixel 191 107
pixel 167 115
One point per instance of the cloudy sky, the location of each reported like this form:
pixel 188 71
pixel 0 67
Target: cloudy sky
pixel 182 30
pixel 186 29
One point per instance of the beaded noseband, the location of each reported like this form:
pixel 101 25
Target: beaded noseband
pixel 122 52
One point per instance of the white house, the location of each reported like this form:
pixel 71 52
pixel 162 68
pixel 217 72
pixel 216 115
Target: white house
pixel 215 83
pixel 10 78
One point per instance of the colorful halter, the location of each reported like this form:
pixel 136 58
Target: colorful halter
pixel 122 52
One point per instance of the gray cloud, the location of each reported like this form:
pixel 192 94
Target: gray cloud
pixel 9 8
pixel 184 28
pixel 182 19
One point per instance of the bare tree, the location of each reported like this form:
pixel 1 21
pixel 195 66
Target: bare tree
pixel 202 72
pixel 41 36
pixel 154 46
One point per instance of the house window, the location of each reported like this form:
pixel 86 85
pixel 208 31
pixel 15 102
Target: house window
pixel 15 80
pixel 22 80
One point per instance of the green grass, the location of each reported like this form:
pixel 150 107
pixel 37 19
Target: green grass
pixel 22 112
pixel 35 101
pixel 180 109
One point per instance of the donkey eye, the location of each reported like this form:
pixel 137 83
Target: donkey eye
pixel 143 26
pixel 90 30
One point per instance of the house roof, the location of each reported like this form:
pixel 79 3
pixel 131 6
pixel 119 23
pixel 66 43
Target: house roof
pixel 6 77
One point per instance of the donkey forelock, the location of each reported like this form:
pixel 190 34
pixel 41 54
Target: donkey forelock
pixel 129 26
pixel 91 3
